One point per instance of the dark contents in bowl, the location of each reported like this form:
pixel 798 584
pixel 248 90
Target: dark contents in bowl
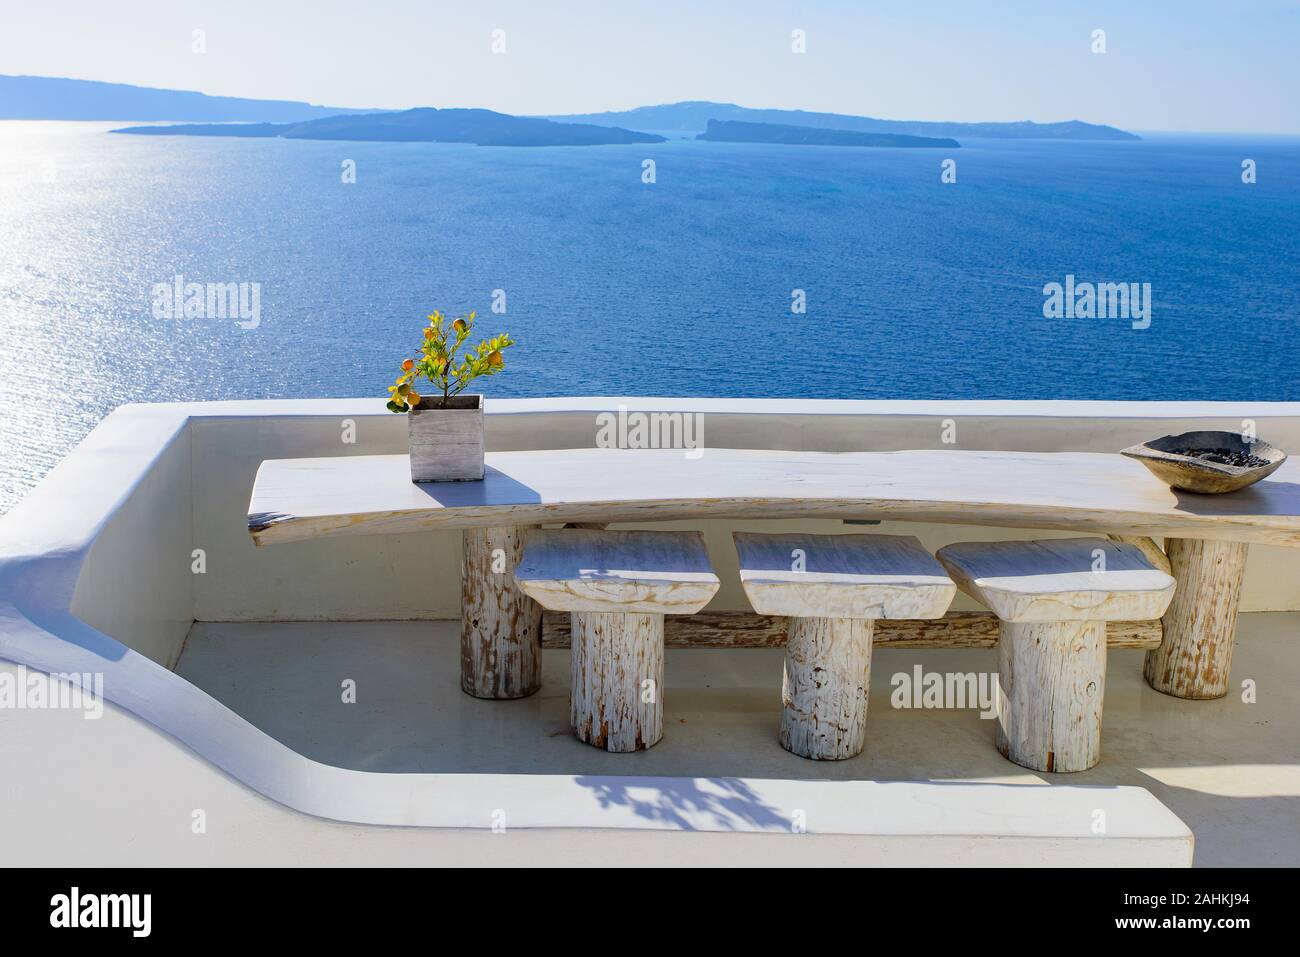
pixel 1223 457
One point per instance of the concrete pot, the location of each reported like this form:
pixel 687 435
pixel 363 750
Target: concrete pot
pixel 447 444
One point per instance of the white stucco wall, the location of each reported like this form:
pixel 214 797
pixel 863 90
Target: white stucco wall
pixel 95 565
pixel 137 579
pixel 417 576
pixel 125 512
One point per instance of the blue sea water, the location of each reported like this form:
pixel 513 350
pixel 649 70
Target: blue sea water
pixel 914 288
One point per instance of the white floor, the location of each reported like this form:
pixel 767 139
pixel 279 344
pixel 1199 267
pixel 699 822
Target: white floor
pixel 1229 769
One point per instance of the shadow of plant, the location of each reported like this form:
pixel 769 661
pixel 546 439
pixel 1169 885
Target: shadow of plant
pixel 691 804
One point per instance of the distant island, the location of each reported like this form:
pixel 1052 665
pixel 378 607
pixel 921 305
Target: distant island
pixel 694 116
pixel 421 125
pixel 731 131
pixel 56 98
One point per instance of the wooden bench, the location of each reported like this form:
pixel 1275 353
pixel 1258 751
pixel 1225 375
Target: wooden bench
pixel 1085 493
pixel 617 586
pixel 832 587
pixel 1053 599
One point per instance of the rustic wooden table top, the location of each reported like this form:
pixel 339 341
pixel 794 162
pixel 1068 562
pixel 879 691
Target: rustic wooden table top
pixel 297 499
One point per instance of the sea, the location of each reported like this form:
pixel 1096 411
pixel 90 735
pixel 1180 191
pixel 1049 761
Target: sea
pixel 684 268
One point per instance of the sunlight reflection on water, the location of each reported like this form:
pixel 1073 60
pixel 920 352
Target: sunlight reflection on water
pixel 915 289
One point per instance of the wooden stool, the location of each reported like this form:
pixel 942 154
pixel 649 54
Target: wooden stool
pixel 618 586
pixel 832 587
pixel 1053 599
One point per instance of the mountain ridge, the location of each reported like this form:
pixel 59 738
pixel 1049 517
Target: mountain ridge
pixel 24 97
pixel 734 131
pixel 693 116
pixel 424 124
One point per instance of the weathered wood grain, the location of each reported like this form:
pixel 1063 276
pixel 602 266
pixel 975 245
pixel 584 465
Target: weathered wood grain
pixel 1198 475
pixel 501 627
pixel 1148 546
pixel 296 499
pixel 741 629
pixel 617 586
pixel 616 694
pixel 1054 598
pixel 643 572
pixel 824 688
pixel 1060 579
pixel 1052 680
pixel 1200 626
pixel 841 576
pixel 832 587
pixel 446 444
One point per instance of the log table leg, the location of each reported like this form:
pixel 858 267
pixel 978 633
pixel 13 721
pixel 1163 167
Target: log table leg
pixel 501 627
pixel 616 700
pixel 1195 658
pixel 1052 677
pixel 824 691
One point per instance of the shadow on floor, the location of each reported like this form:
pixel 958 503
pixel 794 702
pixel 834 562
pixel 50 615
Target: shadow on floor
pixel 1229 769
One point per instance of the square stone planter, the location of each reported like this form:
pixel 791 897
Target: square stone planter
pixel 447 444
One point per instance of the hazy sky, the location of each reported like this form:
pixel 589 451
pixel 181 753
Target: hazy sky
pixel 1213 65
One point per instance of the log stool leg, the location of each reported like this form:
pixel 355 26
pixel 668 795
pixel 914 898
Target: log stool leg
pixel 1052 678
pixel 500 627
pixel 1195 658
pixel 824 691
pixel 618 676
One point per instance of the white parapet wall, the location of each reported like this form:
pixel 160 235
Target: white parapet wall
pixel 147 518
pixel 115 791
pixel 417 576
pixel 142 530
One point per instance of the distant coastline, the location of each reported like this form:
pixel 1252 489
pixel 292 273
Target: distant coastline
pixel 694 116
pixel 422 125
pixel 58 98
pixel 731 131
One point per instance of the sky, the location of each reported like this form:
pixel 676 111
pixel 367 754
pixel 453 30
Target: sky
pixel 1181 65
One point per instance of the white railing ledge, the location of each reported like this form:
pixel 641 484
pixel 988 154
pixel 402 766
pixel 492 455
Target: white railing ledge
pixel 1048 408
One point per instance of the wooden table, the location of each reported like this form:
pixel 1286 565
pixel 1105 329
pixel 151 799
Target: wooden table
pixel 1208 535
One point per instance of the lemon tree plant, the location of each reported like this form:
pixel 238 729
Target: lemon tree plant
pixel 445 426
pixel 444 366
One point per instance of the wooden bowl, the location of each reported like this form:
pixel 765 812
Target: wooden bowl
pixel 1197 475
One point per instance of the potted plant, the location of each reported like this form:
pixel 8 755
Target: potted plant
pixel 446 426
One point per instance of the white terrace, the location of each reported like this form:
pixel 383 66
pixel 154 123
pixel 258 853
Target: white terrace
pixel 302 697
